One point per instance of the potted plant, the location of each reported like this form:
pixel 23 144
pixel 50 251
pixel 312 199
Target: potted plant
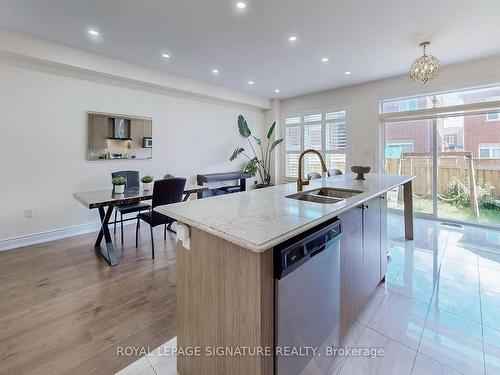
pixel 147 182
pixel 260 164
pixel 168 175
pixel 119 184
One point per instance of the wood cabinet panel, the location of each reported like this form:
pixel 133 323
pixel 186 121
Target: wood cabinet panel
pixel 137 132
pixel 139 129
pixel 383 235
pixel 370 273
pixel 224 298
pixel 362 257
pixel 98 132
pixel 147 128
pixel 351 257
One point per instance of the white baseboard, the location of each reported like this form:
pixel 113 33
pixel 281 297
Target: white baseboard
pixel 50 235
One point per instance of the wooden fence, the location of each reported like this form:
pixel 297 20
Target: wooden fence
pixel 486 171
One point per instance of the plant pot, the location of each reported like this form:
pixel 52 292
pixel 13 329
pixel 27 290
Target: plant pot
pixel 119 189
pixel 147 186
pixel 261 186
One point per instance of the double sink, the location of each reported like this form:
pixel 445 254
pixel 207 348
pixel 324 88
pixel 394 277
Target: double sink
pixel 325 195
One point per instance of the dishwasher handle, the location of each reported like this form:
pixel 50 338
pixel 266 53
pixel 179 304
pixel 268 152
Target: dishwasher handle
pixel 317 251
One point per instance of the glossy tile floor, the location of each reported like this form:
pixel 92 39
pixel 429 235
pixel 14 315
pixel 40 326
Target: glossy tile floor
pixel 158 362
pixel 437 313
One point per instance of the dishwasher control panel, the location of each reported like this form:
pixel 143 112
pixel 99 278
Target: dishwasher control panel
pixel 299 249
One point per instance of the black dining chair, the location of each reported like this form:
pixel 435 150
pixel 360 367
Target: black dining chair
pixel 132 183
pixel 165 191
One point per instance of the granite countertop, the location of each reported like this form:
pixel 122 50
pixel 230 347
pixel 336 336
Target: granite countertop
pixel 260 219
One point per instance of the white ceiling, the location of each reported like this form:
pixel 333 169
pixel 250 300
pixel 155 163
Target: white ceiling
pixel 373 39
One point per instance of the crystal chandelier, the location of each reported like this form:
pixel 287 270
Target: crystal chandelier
pixel 426 67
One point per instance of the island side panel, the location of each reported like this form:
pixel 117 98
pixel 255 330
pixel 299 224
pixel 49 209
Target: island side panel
pixel 224 298
pixel 351 261
pixel 408 209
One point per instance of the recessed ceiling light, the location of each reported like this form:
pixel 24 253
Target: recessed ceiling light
pixel 293 38
pixel 215 71
pixel 93 32
pixel 348 73
pixel 276 90
pixel 251 82
pixel 166 55
pixel 325 59
pixel 241 5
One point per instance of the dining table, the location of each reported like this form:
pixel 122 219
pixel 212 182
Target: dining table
pixel 105 202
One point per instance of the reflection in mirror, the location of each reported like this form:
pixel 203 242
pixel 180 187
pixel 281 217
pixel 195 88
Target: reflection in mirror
pixel 112 136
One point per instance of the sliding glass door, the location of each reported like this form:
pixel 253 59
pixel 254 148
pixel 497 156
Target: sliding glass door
pixel 408 151
pixel 468 176
pixel 451 143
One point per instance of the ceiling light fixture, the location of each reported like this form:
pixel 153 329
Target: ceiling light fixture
pixel 426 67
pixel 93 32
pixel 347 73
pixel 276 91
pixel 215 71
pixel 241 5
pixel 293 38
pixel 325 59
pixel 251 82
pixel 166 55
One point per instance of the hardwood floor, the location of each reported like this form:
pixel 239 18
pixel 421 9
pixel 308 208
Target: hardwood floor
pixel 63 310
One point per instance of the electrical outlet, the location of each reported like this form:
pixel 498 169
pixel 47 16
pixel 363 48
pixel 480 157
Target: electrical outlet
pixel 28 212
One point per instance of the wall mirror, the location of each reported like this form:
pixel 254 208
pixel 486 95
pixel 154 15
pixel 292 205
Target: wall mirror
pixel 113 136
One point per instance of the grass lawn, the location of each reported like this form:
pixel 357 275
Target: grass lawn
pixel 447 210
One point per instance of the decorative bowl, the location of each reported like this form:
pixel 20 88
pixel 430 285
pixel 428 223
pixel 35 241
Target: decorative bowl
pixel 360 170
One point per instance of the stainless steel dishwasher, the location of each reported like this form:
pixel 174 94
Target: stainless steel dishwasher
pixel 307 270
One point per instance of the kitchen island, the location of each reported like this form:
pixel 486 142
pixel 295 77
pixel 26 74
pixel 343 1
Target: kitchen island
pixel 225 278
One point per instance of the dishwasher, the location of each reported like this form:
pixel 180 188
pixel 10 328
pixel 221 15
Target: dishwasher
pixel 307 277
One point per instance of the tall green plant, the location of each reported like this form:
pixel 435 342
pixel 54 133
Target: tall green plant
pixel 256 164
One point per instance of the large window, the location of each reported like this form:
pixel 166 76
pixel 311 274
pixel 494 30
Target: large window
pixel 451 143
pixel 489 150
pixel 325 131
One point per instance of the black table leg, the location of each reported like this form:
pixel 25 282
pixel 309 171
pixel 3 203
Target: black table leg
pixel 108 250
pixel 186 197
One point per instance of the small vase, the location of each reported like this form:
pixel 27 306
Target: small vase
pixel 147 186
pixel 119 189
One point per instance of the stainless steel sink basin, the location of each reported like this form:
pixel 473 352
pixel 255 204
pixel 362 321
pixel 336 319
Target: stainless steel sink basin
pixel 314 198
pixel 335 192
pixel 325 195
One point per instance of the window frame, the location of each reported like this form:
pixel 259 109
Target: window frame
pixel 408 105
pixel 447 137
pixel 491 147
pixel 401 143
pixel 302 124
pixel 497 118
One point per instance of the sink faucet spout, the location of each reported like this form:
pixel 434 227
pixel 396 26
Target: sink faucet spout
pixel 300 181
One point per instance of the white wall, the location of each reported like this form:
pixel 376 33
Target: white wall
pixel 44 137
pixel 362 102
pixel 26 47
